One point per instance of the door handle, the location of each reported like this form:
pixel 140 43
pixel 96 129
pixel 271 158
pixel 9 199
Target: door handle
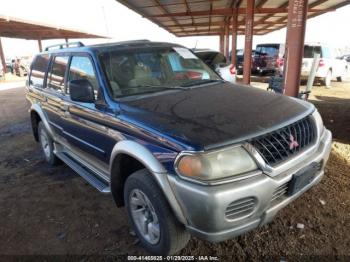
pixel 64 106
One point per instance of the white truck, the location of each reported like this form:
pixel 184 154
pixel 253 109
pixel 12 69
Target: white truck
pixel 330 67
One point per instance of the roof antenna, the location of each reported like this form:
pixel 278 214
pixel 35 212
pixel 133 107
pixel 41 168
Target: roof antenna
pixel 195 46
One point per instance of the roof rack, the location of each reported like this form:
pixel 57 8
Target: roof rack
pixel 64 45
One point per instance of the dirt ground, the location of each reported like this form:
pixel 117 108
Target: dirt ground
pixel 52 211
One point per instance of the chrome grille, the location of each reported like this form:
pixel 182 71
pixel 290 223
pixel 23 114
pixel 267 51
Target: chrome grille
pixel 240 208
pixel 280 192
pixel 277 146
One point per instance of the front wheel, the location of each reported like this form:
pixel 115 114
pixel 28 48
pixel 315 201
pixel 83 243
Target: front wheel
pixel 151 216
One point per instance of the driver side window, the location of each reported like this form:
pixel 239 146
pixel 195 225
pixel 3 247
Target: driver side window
pixel 81 67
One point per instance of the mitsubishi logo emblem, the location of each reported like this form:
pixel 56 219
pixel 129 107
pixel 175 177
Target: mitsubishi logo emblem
pixel 293 143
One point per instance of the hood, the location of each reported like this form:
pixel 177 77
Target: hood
pixel 215 115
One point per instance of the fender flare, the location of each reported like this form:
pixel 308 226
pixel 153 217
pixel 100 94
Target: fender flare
pixel 36 108
pixel 143 155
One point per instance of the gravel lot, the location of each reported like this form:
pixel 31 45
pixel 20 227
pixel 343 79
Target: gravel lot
pixel 52 211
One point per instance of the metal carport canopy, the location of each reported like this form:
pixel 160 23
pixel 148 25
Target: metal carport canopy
pixel 18 28
pixel 30 30
pixel 208 17
pixel 248 17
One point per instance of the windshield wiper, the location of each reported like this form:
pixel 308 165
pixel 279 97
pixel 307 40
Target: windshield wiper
pixel 162 87
pixel 200 82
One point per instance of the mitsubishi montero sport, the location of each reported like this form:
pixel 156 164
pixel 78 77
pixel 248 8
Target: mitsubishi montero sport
pixel 184 151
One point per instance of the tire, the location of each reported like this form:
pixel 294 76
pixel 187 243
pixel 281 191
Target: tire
pixel 152 206
pixel 327 80
pixel 46 144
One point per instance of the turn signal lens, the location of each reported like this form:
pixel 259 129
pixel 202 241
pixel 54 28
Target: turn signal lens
pixel 190 166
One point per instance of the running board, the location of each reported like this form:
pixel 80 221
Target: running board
pixel 84 172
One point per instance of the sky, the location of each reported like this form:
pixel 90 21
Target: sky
pixel 108 17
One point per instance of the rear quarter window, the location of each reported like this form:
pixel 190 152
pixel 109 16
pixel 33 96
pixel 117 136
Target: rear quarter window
pixel 56 78
pixel 38 70
pixel 310 51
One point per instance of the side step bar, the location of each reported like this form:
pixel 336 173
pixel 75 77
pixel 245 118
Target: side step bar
pixel 85 173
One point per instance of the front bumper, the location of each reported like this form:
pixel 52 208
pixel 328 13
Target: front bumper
pixel 205 206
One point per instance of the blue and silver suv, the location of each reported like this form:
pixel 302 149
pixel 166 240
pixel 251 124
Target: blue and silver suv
pixel 184 151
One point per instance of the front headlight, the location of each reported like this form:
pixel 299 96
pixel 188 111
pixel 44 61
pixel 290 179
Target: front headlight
pixel 319 122
pixel 215 165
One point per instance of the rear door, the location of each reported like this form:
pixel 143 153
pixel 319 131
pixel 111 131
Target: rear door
pixel 54 92
pixel 36 82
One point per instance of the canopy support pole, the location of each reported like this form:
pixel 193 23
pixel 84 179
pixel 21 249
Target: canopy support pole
pixel 248 46
pixel 297 15
pixel 3 62
pixel 234 38
pixel 221 43
pixel 227 39
pixel 40 45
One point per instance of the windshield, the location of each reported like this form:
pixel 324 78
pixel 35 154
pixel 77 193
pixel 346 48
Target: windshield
pixel 267 50
pixel 135 72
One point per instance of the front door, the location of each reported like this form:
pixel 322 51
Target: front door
pixel 83 125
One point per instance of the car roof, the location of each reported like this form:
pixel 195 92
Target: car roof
pixel 202 50
pixel 124 45
pixel 269 44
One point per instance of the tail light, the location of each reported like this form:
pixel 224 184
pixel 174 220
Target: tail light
pixel 280 62
pixel 232 69
pixel 321 63
pixel 194 75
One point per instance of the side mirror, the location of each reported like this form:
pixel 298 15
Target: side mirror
pixel 220 65
pixel 81 90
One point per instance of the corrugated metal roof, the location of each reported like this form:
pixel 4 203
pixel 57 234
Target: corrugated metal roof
pixel 19 28
pixel 208 17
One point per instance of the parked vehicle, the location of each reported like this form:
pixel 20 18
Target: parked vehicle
pixel 240 60
pixel 184 151
pixel 217 62
pixel 346 58
pixel 330 66
pixel 268 59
